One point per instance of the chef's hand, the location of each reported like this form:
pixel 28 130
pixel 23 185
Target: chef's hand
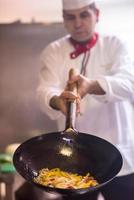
pixel 86 86
pixel 60 102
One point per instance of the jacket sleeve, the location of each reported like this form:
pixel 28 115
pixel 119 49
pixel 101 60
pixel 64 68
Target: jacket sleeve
pixel 49 81
pixel 118 83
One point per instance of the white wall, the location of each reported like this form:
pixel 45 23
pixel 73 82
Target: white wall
pixel 116 17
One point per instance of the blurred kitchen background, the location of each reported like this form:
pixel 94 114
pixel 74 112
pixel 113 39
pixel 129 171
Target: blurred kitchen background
pixel 26 27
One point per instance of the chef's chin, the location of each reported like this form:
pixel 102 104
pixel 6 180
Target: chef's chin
pixel 81 37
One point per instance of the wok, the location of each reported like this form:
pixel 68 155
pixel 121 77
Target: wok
pixel 71 151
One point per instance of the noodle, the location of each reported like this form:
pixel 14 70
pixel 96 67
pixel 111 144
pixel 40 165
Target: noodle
pixel 57 178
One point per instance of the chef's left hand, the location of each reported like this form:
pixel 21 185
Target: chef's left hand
pixel 86 86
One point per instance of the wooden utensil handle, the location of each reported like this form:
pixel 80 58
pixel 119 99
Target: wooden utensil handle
pixel 71 105
pixel 73 86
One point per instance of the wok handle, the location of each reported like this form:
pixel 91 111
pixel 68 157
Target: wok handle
pixel 71 106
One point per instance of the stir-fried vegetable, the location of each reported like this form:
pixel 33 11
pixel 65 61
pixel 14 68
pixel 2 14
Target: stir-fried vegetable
pixel 57 178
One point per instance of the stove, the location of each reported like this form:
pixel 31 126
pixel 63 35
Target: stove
pixel 29 192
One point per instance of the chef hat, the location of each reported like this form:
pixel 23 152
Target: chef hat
pixel 75 4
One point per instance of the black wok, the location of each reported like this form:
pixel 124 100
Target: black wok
pixel 72 152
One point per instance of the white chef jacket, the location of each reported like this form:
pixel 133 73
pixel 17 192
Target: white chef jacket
pixel 109 116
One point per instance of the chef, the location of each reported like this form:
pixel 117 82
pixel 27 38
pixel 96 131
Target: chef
pixel 105 77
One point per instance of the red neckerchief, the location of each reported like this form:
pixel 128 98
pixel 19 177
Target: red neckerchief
pixel 82 48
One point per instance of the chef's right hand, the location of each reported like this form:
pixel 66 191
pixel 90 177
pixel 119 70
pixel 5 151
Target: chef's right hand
pixel 60 102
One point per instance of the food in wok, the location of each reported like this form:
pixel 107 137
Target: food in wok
pixel 57 178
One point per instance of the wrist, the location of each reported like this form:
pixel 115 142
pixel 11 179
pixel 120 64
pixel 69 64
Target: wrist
pixel 95 88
